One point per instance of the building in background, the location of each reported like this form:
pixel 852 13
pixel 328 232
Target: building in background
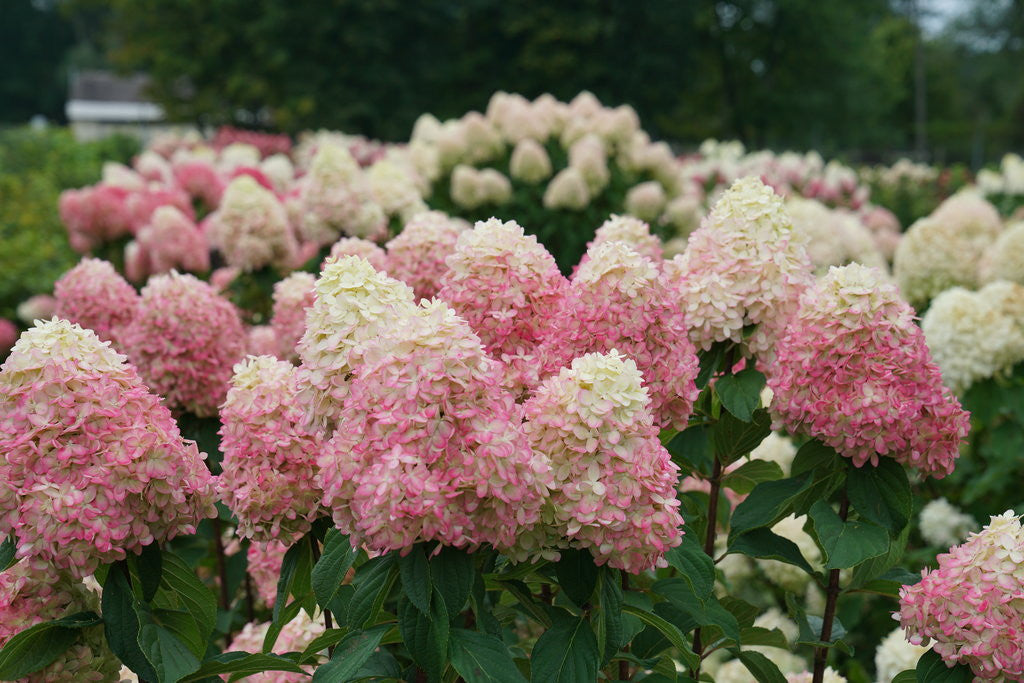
pixel 101 103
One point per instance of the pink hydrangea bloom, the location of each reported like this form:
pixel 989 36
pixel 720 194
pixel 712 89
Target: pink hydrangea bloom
pixel 37 307
pixel 742 267
pixel 508 288
pixel 853 370
pixel 265 560
pixel 184 339
pixel 269 458
pixel 261 340
pixel 30 595
pixel 201 180
pixel 430 447
pixel 354 303
pixel 356 246
pixel 141 205
pixel 334 197
pixel 92 465
pixel 8 335
pixel 292 296
pixel 970 606
pixel 634 232
pixel 417 255
pixel 251 228
pixel 93 295
pixel 296 635
pixel 222 278
pixel 94 215
pixel 619 300
pixel 615 484
pixel 171 241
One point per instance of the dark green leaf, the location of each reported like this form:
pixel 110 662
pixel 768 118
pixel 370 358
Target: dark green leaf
pixel 703 611
pixel 241 663
pixel 744 612
pixel 425 635
pixel 453 573
pixel 372 582
pixel 608 621
pixel 741 393
pixel 769 502
pixel 674 636
pixel 931 669
pixel 743 479
pixel 7 551
pixel 691 449
pixel 908 676
pixel 480 658
pixel 149 566
pixel 814 455
pixel 276 626
pixel 170 657
pixel 296 574
pixel 329 571
pixel 761 668
pixel 414 571
pixel 194 595
pixel 37 647
pixel 350 655
pixel 577 575
pixel 121 623
pixel 566 652
pixel 694 565
pixel 879 566
pixel 846 544
pixel 733 438
pixel 881 494
pixel 329 638
pixel 755 635
pixel 710 361
pixel 767 545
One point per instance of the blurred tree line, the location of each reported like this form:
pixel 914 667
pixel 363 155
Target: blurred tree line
pixel 836 76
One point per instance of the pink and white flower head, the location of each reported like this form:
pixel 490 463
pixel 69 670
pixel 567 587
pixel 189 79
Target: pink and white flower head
pixel 354 303
pixel 853 370
pixel 634 232
pixel 356 246
pixel 251 228
pixel 184 339
pixel 93 295
pixel 430 447
pixel 614 489
pixel 93 464
pixel 264 566
pixel 153 167
pixel 292 296
pixel 619 300
pixel 530 162
pixel 269 458
pixel 743 267
pixel 37 307
pixel 884 227
pixel 8 335
pixel 172 241
pixel 567 190
pixel 970 606
pixel 201 180
pixel 30 595
pixel 141 205
pixel 332 194
pixel 94 215
pixel 646 200
pixel 295 636
pixel 416 256
pixel 508 288
pixel 261 340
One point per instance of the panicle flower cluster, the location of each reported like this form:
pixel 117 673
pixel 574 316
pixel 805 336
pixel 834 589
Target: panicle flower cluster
pixel 200 179
pixel 8 335
pixel 833 237
pixel 142 203
pixel 646 200
pixel 634 232
pixel 295 636
pixel 971 605
pixel 184 339
pixel 971 337
pixel 618 300
pixel 529 162
pixel 37 307
pixel 94 215
pixel 30 595
pixel 743 267
pixel 942 524
pixel 260 340
pixel 93 465
pixel 353 303
pixel 508 288
pixel 251 227
pixel 473 187
pixel 416 256
pixel 356 246
pixel 614 483
pixel 170 241
pixel 264 562
pixel 853 370
pixel 1004 259
pixel 895 654
pixel 429 446
pixel 93 295
pixel 269 457
pixel 292 296
pixel 567 190
pixel 335 198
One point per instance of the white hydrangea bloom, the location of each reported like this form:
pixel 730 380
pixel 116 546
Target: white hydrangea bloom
pixel 944 525
pixel 895 654
pixel 787 576
pixel 778 449
pixel 529 162
pixel 1004 259
pixel 567 190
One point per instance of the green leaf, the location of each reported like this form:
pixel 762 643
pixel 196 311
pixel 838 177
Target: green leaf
pixel 769 502
pixel 329 638
pixel 908 676
pixel 691 449
pixel 741 393
pixel 879 566
pixel 813 456
pixel 703 611
pixel 755 635
pixel 414 571
pixel 425 635
pixel 761 668
pixel 296 574
pixel 710 361
pixel 350 655
pixel 277 625
pixel 183 626
pixel 170 657
pixel 373 581
pixel 453 572
pixel 577 575
pixel 566 652
pixel 767 545
pixel 931 669
pixel 241 663
pixel 846 544
pixel 480 658
pixel 733 438
pixel 121 623
pixel 149 567
pixel 195 596
pixel 674 636
pixel 7 551
pixel 743 479
pixel 608 621
pixel 37 647
pixel 330 570
pixel 694 565
pixel 881 494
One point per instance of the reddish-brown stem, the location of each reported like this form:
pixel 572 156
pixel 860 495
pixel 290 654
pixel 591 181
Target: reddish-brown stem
pixel 831 598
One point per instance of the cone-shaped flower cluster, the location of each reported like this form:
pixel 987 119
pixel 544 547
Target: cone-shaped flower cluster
pixel 30 595
pixel 430 447
pixel 634 232
pixel 91 464
pixel 333 197
pixel 507 286
pixel 292 296
pixel 853 370
pixel 95 215
pixel 93 295
pixel 742 267
pixel 614 489
pixel 971 606
pixel 417 255
pixel 184 340
pixel 170 240
pixel 251 227
pixel 269 459
pixel 353 304
pixel 356 246
pixel 619 300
